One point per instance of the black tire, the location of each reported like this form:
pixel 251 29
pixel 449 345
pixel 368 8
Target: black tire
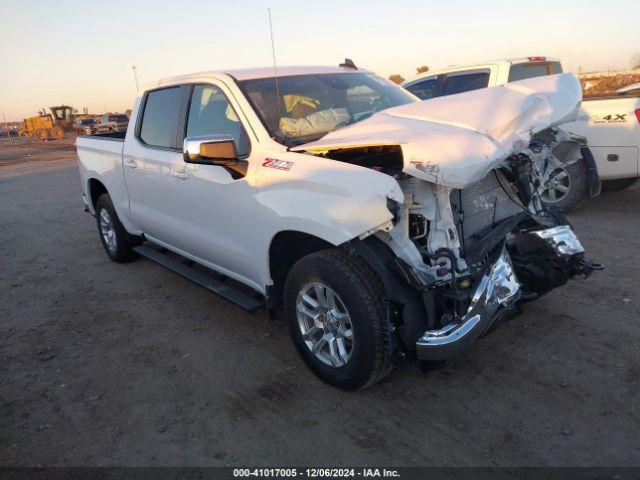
pixel 124 242
pixel 57 132
pixel 41 134
pixel 361 292
pixel 620 184
pixel 578 188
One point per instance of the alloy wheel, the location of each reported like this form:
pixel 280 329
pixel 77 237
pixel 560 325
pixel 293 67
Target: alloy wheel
pixel 325 324
pixel 556 187
pixel 107 231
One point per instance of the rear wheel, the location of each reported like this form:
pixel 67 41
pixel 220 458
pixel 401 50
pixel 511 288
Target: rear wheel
pixel 620 184
pixel 566 187
pixel 115 239
pixel 335 313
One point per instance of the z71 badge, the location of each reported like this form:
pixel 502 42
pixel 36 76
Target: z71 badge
pixel 277 164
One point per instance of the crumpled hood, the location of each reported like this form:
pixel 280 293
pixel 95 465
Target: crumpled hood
pixel 456 140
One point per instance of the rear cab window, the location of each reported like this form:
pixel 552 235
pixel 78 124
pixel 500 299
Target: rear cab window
pixel 160 117
pixel 522 71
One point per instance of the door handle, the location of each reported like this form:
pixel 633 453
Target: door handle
pixel 131 163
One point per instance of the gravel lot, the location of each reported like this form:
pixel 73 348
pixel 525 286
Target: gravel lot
pixel 107 364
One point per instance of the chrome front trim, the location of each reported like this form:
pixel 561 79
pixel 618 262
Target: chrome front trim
pixel 562 239
pixel 498 289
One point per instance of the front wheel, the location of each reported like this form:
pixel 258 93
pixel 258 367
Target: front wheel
pixel 566 187
pixel 116 241
pixel 42 134
pixel 336 317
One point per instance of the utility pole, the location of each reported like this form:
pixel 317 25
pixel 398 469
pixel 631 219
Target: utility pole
pixel 8 130
pixel 135 77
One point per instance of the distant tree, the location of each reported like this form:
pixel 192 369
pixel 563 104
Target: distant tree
pixel 635 60
pixel 396 78
pixel 422 69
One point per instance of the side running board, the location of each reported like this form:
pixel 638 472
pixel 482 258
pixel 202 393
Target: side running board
pixel 227 292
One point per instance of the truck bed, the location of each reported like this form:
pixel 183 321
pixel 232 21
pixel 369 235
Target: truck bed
pixel 100 157
pixel 118 136
pixel 609 96
pixel 111 143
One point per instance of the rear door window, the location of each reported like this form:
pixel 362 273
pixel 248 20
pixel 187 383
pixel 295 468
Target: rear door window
pixel 465 82
pixel 160 117
pixel 426 89
pixel 522 71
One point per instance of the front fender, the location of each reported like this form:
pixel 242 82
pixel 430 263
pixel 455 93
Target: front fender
pixel 333 200
pixel 328 199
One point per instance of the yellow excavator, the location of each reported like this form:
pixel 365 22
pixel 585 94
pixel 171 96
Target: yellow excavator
pixel 49 125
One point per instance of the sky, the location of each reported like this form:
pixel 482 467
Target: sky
pixel 82 52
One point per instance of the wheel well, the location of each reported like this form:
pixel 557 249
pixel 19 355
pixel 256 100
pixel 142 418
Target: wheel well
pixel 287 248
pixel 96 188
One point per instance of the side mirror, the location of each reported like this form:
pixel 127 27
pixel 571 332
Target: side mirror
pixel 211 150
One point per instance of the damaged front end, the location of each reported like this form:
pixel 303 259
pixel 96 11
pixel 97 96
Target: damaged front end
pixel 471 240
pixel 495 296
pixel 476 254
pixel 509 280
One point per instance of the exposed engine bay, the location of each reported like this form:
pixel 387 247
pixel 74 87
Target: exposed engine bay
pixel 476 253
pixel 456 222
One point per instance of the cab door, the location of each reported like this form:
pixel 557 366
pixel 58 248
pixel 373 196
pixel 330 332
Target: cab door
pixel 217 203
pixel 153 167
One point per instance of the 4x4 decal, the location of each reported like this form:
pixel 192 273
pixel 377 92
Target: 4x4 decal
pixel 611 118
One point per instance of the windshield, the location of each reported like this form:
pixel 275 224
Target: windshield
pixel 118 118
pixel 87 121
pixel 311 106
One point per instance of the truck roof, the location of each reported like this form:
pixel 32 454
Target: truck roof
pixel 483 64
pixel 250 74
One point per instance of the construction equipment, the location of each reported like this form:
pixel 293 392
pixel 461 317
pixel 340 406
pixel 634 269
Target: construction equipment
pixel 49 125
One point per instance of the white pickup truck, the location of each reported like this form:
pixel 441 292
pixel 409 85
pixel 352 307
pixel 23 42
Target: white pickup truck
pixel 382 228
pixel 610 124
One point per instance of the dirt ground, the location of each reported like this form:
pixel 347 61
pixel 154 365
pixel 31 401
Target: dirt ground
pixel 107 364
